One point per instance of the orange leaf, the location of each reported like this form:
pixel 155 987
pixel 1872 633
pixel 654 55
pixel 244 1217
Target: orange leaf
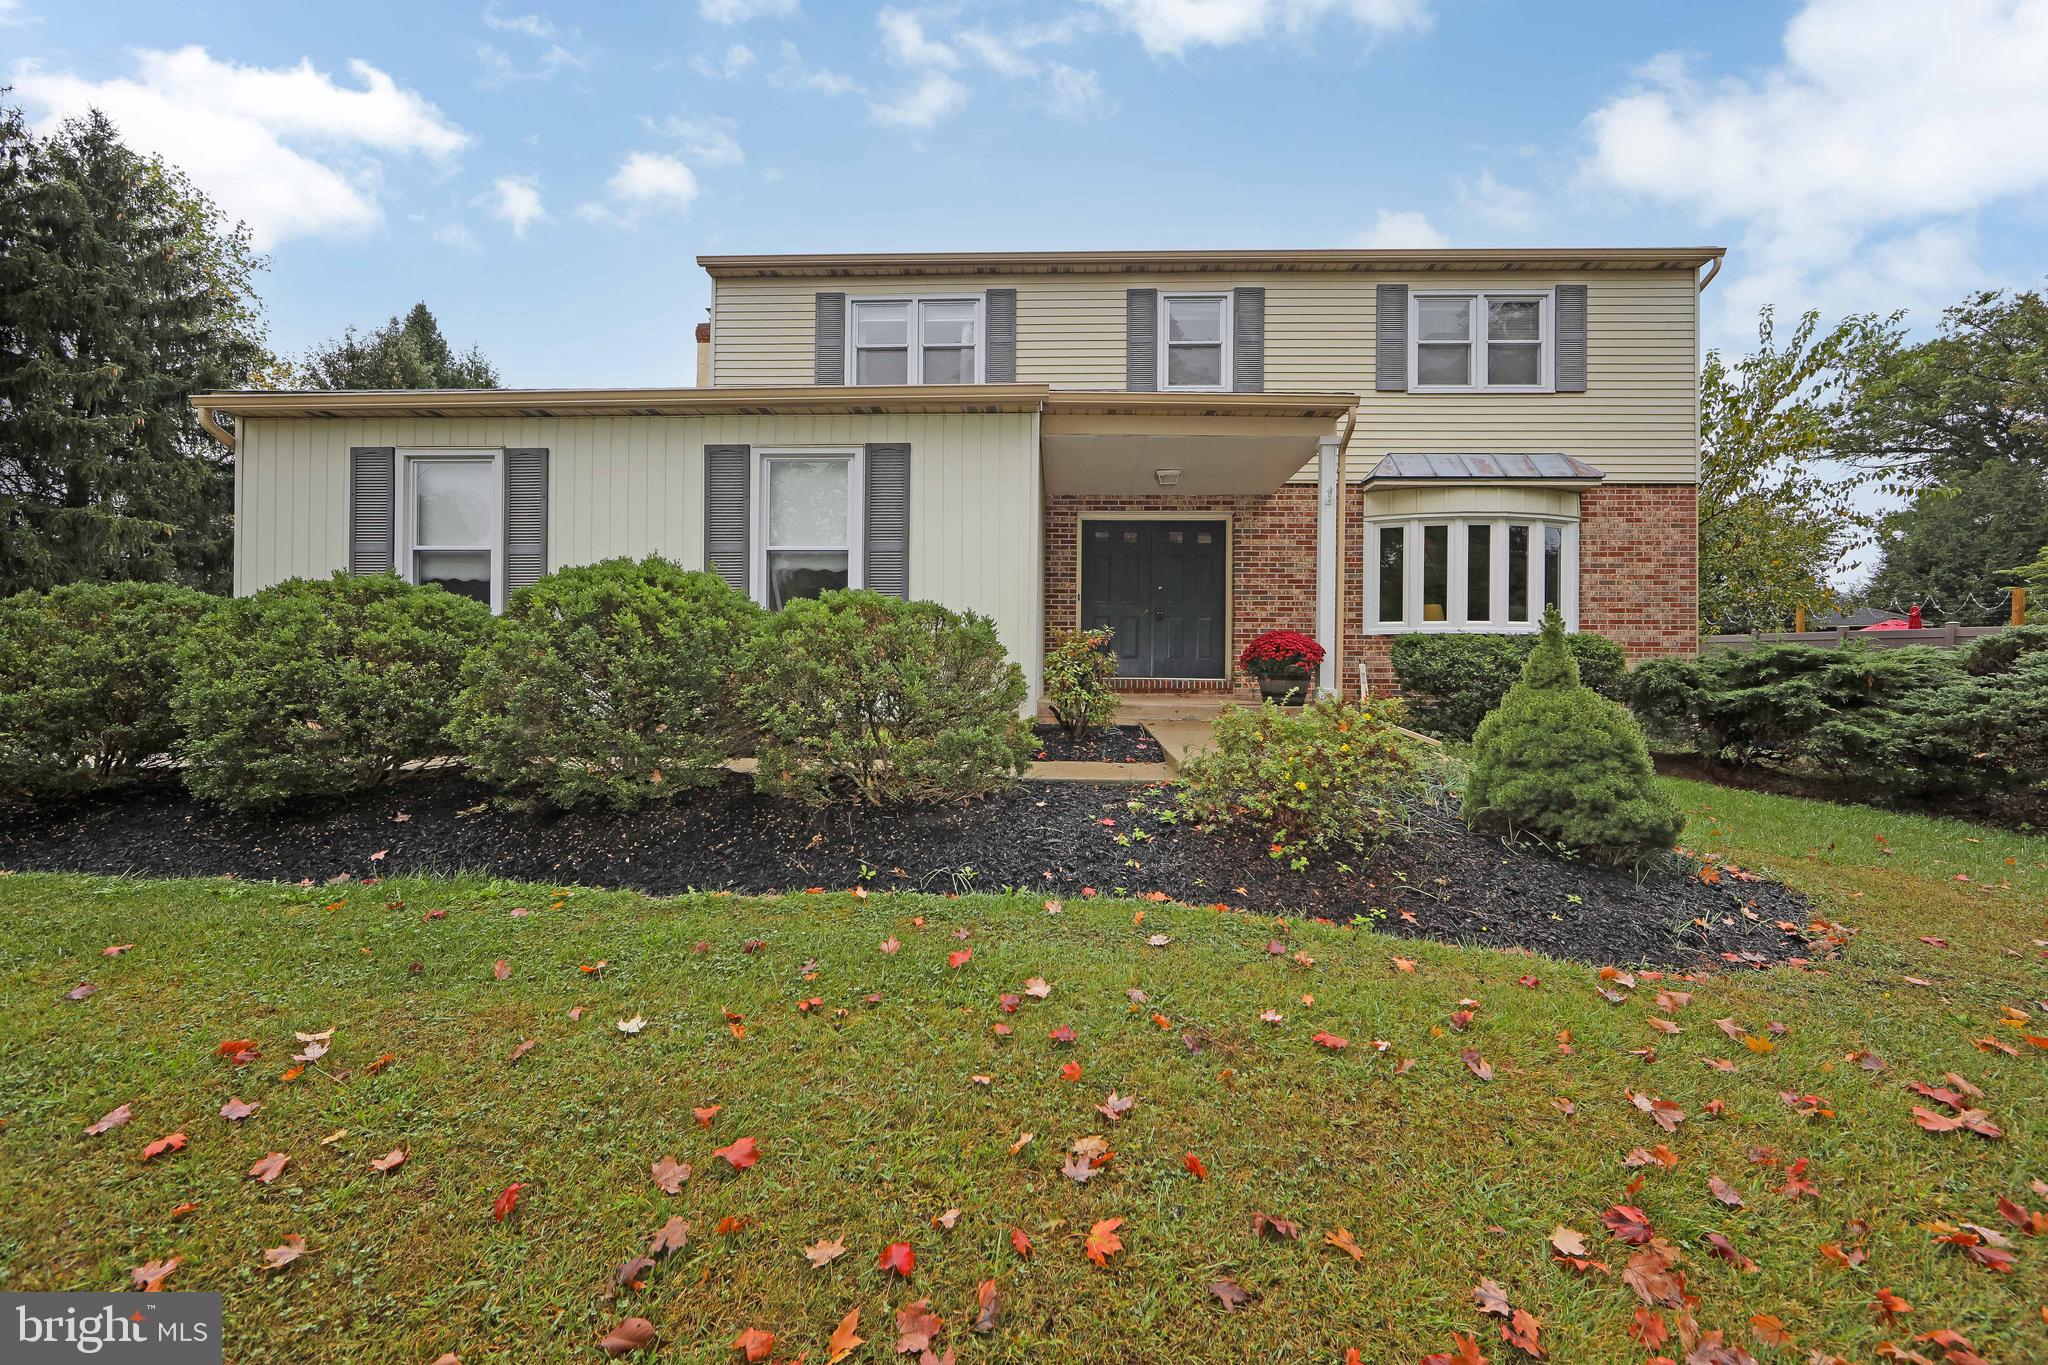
pixel 741 1154
pixel 269 1168
pixel 845 1338
pixel 507 1200
pixel 1103 1242
pixel 706 1113
pixel 958 958
pixel 169 1142
pixel 1021 1242
pixel 897 1257
pixel 1195 1166
pixel 754 1343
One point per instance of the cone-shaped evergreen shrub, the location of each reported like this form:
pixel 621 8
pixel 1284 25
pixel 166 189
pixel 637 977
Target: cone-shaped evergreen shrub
pixel 1558 760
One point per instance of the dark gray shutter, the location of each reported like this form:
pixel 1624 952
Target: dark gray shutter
pixel 1141 340
pixel 830 363
pixel 372 509
pixel 885 556
pixel 526 517
pixel 1390 340
pixel 1001 308
pixel 728 476
pixel 1570 375
pixel 1248 340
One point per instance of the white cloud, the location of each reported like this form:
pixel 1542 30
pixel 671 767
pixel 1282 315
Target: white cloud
pixel 739 11
pixel 281 148
pixel 1075 94
pixel 1005 59
pixel 1859 159
pixel 735 62
pixel 907 44
pixel 557 51
pixel 707 141
pixel 532 25
pixel 456 235
pixel 794 74
pixel 515 200
pixel 653 178
pixel 12 13
pixel 934 97
pixel 1503 207
pixel 1169 28
pixel 1401 229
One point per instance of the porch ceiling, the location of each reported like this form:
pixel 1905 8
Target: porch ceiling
pixel 1222 444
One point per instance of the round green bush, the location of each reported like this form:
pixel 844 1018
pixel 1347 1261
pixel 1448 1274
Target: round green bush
pixel 85 682
pixel 1453 680
pixel 614 682
pixel 857 696
pixel 319 687
pixel 1561 762
pixel 1998 653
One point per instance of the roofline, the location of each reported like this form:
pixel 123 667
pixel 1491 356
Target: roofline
pixel 1132 262
pixel 686 402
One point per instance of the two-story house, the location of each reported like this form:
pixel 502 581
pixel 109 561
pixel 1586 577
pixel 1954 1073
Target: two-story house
pixel 1190 447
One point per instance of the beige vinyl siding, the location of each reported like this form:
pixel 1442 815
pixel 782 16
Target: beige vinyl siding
pixel 635 486
pixel 1637 420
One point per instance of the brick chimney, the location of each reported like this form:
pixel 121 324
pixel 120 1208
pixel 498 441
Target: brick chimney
pixel 703 355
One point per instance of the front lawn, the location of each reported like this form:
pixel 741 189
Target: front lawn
pixel 881 1098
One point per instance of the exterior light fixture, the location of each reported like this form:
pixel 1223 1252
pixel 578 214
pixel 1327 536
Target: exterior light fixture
pixel 1167 477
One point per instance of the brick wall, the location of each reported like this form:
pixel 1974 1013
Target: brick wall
pixel 1272 558
pixel 1638 575
pixel 1638 568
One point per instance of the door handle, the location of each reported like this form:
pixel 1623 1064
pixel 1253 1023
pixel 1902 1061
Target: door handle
pixel 1158 615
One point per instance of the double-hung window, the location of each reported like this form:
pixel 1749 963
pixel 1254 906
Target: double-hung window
pixel 810 523
pixel 451 521
pixel 1469 573
pixel 1481 341
pixel 915 340
pixel 1194 341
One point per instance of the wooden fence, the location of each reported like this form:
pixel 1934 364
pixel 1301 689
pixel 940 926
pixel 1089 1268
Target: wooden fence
pixel 1949 636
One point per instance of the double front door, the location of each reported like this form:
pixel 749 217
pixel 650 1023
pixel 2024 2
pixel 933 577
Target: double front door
pixel 1159 585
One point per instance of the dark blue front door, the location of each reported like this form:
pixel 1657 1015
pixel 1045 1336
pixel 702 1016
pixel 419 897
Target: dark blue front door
pixel 1159 586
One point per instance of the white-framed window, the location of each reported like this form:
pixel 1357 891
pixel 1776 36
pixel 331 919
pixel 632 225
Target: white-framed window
pixel 1469 573
pixel 919 340
pixel 1480 341
pixel 808 523
pixel 1194 341
pixel 451 521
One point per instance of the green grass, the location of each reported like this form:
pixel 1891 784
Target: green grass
pixel 870 1122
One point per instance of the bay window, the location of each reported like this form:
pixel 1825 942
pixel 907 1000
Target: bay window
pixel 1469 573
pixel 914 340
pixel 1480 340
pixel 1194 341
pixel 809 531
pixel 451 520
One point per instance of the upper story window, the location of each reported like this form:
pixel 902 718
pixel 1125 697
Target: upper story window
pixel 915 340
pixel 1480 340
pixel 1194 341
pixel 451 522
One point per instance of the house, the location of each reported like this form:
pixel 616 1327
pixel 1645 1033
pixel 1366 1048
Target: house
pixel 1190 447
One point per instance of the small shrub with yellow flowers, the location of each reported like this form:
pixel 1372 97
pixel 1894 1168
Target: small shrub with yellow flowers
pixel 1335 773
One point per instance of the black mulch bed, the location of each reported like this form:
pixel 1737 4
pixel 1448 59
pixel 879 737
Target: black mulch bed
pixel 1104 744
pixel 1051 838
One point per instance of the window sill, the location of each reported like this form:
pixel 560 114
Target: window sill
pixel 1444 628
pixel 1482 388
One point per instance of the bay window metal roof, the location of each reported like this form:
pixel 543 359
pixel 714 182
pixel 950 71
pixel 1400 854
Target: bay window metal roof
pixel 1440 466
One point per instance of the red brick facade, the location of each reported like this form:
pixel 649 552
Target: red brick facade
pixel 1272 558
pixel 1638 567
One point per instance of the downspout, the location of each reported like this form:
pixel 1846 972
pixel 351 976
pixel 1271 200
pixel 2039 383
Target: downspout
pixel 212 427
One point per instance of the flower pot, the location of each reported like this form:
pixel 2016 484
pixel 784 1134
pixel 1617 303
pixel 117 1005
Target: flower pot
pixel 1288 691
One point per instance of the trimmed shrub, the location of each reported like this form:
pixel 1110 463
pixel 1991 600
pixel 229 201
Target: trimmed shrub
pixel 1998 653
pixel 1454 680
pixel 614 682
pixel 862 697
pixel 1558 760
pixel 85 682
pixel 1078 670
pixel 318 687
pixel 1335 773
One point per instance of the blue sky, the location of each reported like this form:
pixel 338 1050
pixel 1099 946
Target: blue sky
pixel 543 174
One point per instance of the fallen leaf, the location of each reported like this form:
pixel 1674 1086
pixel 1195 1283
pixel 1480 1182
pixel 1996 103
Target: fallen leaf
pixel 897 1258
pixel 985 1296
pixel 278 1257
pixel 1230 1294
pixel 1342 1240
pixel 741 1154
pixel 1330 1040
pixel 149 1277
pixel 1103 1242
pixel 706 1113
pixel 824 1253
pixel 958 958
pixel 109 1121
pixel 670 1174
pixel 237 1109
pixel 1490 1297
pixel 634 1334
pixel 390 1161
pixel 1889 1307
pixel 846 1338
pixel 631 1026
pixel 1568 1242
pixel 269 1168
pixel 754 1344
pixel 502 969
pixel 523 1048
pixel 1477 1064
pixel 1724 1192
pixel 1115 1107
pixel 1194 1165
pixel 507 1200
pixel 1769 1329
pixel 1628 1223
pixel 1021 1242
pixel 916 1325
pixel 1720 1246
pixel 1266 1225
pixel 669 1238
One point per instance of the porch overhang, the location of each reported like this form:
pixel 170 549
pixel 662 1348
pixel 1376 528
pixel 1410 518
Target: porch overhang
pixel 1441 469
pixel 1213 444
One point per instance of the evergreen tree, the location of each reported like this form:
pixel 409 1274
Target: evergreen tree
pixel 1954 550
pixel 122 291
pixel 405 353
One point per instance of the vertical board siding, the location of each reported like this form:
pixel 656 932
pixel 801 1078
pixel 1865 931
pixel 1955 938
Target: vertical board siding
pixel 1637 418
pixel 634 486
